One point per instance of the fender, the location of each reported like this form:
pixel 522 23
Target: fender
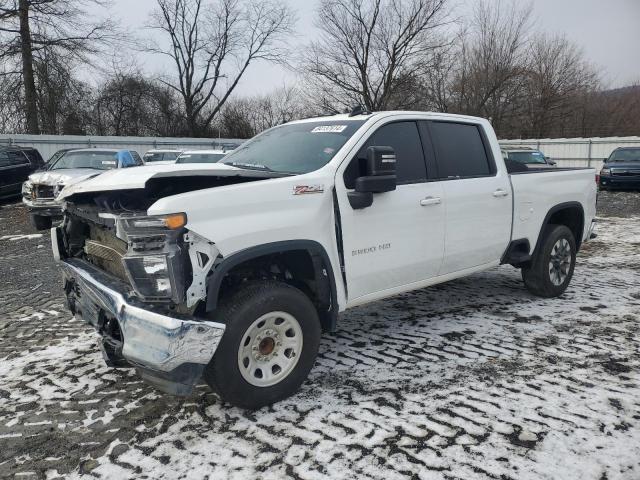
pixel 321 263
pixel 557 208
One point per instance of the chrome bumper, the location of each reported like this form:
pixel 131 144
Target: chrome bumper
pixel 50 207
pixel 170 353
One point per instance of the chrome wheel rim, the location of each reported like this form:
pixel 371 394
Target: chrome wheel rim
pixel 270 349
pixel 560 262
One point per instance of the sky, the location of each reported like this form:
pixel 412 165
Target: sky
pixel 608 31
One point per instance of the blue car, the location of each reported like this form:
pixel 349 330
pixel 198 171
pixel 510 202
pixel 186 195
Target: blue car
pixel 621 169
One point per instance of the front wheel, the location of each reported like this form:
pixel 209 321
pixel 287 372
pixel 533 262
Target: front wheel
pixel 40 222
pixel 552 266
pixel 269 346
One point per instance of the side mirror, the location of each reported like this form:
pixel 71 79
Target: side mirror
pixel 380 177
pixel 551 162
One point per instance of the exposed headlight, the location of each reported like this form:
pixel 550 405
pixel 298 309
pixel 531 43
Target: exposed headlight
pixel 26 188
pixel 172 221
pixel 605 171
pixel 149 275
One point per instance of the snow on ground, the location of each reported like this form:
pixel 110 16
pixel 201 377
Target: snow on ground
pixel 14 238
pixel 474 379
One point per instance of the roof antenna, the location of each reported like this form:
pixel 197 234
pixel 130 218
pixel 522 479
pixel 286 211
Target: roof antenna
pixel 358 110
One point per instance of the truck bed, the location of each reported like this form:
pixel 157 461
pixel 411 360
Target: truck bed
pixel 536 192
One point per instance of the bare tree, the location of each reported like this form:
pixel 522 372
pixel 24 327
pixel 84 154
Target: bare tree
pixel 246 117
pixel 129 103
pixel 367 48
pixel 28 27
pixel 557 74
pixel 492 58
pixel 63 101
pixel 209 43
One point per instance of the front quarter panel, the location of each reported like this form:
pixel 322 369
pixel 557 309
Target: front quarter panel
pixel 240 216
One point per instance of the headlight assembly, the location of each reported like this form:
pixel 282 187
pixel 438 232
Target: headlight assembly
pixel 605 171
pixel 26 188
pixel 172 221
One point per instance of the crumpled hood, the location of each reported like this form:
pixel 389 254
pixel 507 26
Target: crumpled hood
pixel 137 177
pixel 64 176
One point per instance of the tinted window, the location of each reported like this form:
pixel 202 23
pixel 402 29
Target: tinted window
pixel 4 160
pixel 404 138
pixel 18 158
pixel 527 157
pixel 460 150
pixel 626 155
pixel 12 158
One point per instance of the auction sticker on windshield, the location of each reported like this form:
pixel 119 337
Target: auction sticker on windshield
pixel 329 129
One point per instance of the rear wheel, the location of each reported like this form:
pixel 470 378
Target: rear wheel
pixel 269 346
pixel 552 266
pixel 40 222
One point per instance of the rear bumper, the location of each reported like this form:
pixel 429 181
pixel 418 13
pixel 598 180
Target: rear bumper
pixel 170 353
pixel 613 181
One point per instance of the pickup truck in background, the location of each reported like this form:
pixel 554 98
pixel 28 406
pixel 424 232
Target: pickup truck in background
pixel 621 169
pixel 229 272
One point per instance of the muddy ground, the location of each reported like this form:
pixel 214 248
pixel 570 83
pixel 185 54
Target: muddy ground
pixel 471 379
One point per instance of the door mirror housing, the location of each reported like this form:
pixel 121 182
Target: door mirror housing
pixel 380 168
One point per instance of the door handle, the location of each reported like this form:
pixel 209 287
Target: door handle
pixel 430 201
pixel 500 193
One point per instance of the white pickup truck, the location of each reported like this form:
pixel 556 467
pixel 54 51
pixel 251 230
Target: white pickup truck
pixel 229 272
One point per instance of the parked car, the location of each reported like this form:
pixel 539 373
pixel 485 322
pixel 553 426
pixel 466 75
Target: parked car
pixel 621 169
pixel 159 157
pixel 230 271
pixel 527 156
pixel 39 192
pixel 16 164
pixel 201 156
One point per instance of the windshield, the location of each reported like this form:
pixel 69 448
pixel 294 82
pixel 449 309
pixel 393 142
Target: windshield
pixel 160 156
pixel 96 160
pixel 200 157
pixel 527 157
pixel 294 148
pixel 626 155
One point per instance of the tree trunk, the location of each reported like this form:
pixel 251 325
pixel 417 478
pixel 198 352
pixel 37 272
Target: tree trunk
pixel 27 69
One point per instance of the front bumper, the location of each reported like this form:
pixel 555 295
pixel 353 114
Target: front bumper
pixel 620 181
pixel 45 207
pixel 169 352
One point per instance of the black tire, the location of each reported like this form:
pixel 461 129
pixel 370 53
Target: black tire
pixel 538 276
pixel 239 313
pixel 40 222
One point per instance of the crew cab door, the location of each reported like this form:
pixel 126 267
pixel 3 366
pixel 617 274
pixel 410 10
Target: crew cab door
pixel 399 239
pixel 477 196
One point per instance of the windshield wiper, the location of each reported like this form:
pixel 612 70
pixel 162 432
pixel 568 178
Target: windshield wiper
pixel 249 166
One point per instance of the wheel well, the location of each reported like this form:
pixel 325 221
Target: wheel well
pixel 306 269
pixel 571 216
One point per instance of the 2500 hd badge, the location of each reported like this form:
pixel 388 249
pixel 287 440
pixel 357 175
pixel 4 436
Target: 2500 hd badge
pixel 364 251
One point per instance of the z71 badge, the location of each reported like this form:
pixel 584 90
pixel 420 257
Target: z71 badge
pixel 305 189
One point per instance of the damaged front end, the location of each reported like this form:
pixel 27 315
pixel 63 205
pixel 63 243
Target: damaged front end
pixel 139 281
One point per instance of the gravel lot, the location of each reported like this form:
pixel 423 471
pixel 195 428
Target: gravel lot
pixel 473 379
